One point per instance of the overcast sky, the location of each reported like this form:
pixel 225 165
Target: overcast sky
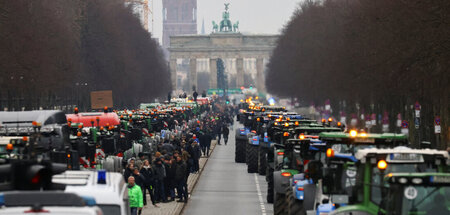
pixel 255 16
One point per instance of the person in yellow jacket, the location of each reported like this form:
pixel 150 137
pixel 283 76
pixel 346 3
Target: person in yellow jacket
pixel 135 196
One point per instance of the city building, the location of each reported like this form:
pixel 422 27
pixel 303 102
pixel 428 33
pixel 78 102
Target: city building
pixel 179 18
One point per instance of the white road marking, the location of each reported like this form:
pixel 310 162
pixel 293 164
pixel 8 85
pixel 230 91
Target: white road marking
pixel 260 196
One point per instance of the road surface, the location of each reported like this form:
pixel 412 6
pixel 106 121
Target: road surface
pixel 226 188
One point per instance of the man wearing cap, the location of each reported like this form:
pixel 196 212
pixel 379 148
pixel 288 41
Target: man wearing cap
pixel 135 196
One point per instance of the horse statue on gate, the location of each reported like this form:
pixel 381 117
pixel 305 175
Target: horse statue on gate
pixel 236 27
pixel 215 27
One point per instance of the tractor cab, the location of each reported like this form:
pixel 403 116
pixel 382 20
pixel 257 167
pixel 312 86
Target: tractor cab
pixel 417 193
pixel 373 164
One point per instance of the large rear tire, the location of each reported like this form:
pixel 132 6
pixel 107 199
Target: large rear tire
pixel 270 188
pixel 294 206
pixel 309 198
pixel 239 151
pixel 279 205
pixel 262 162
pixel 252 158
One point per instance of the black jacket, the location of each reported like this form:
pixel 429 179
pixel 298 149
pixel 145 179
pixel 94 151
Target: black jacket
pixel 139 180
pixel 159 171
pixel 196 152
pixel 170 172
pixel 127 174
pixel 225 131
pixel 180 171
pixel 149 176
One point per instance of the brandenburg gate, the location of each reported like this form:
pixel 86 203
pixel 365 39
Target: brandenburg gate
pixel 223 43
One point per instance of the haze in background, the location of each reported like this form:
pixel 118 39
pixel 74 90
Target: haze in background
pixel 255 16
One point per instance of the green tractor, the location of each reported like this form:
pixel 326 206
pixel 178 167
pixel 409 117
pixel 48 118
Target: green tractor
pixel 417 193
pixel 336 179
pixel 374 164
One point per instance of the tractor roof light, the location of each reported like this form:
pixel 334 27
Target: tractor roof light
pixel 296 123
pixel 353 133
pixel 276 123
pixel 382 165
pixel 286 134
pixel 339 124
pixel 286 124
pixel 323 120
pixel 301 137
pixel 330 153
pixel 330 119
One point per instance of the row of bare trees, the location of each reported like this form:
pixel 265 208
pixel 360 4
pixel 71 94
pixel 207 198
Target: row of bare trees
pixel 373 55
pixel 54 52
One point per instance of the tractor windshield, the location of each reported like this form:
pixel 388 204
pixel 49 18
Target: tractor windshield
pixel 377 176
pixel 419 200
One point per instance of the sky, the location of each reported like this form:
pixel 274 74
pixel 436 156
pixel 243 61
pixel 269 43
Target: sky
pixel 255 16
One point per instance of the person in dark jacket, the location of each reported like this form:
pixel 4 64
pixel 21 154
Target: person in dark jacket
pixel 128 172
pixel 196 154
pixel 160 174
pixel 208 139
pixel 225 133
pixel 169 181
pixel 180 179
pixel 149 181
pixel 139 179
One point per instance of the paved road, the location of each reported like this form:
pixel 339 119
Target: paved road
pixel 226 188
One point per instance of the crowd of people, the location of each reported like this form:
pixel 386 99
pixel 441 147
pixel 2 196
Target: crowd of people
pixel 164 174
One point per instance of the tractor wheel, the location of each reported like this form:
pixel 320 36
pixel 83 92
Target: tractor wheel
pixel 252 158
pixel 269 172
pixel 279 205
pixel 294 206
pixel 240 151
pixel 310 197
pixel 270 190
pixel 262 163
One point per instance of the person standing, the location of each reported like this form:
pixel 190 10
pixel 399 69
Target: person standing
pixel 225 133
pixel 149 176
pixel 128 171
pixel 208 139
pixel 196 154
pixel 169 181
pixel 134 196
pixel 180 179
pixel 160 174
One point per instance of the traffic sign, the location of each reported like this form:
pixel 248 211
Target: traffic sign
pixel 417 122
pixel 437 120
pixel 417 106
pixel 437 129
pixel 404 124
